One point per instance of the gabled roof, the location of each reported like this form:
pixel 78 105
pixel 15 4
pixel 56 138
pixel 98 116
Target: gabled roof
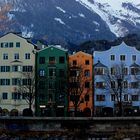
pixel 20 36
pixel 100 65
pixel 122 46
pixel 53 46
pixel 82 53
pixel 135 65
pixel 16 61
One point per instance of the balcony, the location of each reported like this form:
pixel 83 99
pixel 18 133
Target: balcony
pixel 51 62
pixel 124 103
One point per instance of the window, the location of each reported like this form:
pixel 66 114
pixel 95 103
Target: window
pixel 25 95
pixel 134 71
pixel 26 81
pixel 100 97
pixel 87 84
pixel 135 98
pixel 113 84
pixel 122 57
pixel 1 45
pixel 61 60
pixel 11 44
pixel 61 85
pixel 16 68
pixel 16 56
pixel 41 97
pixel 4 68
pixel 86 62
pixel 112 71
pixel 126 97
pixel 5 44
pixel 74 85
pixel 125 71
pixel 112 97
pixel 52 72
pixel 99 71
pixel 27 68
pixel 125 84
pixel 42 60
pixel 133 57
pixel 41 73
pixel 50 97
pixel 42 84
pixel 86 97
pixel 15 96
pixel 74 62
pixel 74 97
pixel 16 81
pixel 4 95
pixel 74 73
pixel 100 85
pixel 4 82
pixel 112 57
pixel 17 44
pixel 27 55
pixel 51 60
pixel 87 73
pixel 5 56
pixel 134 84
pixel 61 72
pixel 52 85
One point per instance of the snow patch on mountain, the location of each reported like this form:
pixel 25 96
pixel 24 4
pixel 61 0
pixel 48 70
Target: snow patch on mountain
pixel 96 23
pixel 81 15
pixel 59 20
pixel 110 11
pixel 26 32
pixel 60 9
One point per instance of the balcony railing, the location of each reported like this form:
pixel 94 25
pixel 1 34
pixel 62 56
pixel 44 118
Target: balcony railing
pixel 51 62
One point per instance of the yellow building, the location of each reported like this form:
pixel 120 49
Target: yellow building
pixel 16 59
pixel 80 84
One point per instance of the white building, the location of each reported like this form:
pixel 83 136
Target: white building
pixel 16 58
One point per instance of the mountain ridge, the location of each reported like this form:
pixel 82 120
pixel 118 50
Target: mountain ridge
pixel 72 21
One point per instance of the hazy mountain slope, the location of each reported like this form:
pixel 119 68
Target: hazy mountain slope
pixel 73 20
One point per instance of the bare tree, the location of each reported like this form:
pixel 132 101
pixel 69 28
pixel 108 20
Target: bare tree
pixel 115 80
pixel 76 88
pixel 27 87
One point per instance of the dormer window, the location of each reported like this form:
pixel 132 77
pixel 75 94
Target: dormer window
pixel 112 57
pixel 99 71
pixel 133 57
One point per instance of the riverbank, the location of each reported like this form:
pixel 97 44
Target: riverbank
pixel 40 127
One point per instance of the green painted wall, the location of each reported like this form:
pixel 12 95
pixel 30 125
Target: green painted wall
pixel 51 95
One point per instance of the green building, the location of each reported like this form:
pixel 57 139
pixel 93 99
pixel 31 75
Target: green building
pixel 51 82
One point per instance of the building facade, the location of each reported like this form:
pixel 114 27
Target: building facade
pixel 80 84
pixel 117 80
pixel 17 58
pixel 51 94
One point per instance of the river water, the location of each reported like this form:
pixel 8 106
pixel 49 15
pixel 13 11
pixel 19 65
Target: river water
pixel 58 138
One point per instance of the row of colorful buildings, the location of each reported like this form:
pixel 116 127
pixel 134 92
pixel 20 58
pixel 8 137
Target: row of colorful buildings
pixel 53 82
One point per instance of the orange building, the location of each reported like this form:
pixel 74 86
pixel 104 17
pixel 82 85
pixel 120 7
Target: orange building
pixel 80 84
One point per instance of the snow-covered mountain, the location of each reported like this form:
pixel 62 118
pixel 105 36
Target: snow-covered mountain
pixel 73 20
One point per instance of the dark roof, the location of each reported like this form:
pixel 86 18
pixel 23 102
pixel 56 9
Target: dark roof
pixel 134 65
pixel 16 61
pixel 99 64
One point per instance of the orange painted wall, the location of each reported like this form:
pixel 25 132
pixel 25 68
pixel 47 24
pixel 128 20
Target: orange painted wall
pixel 81 57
